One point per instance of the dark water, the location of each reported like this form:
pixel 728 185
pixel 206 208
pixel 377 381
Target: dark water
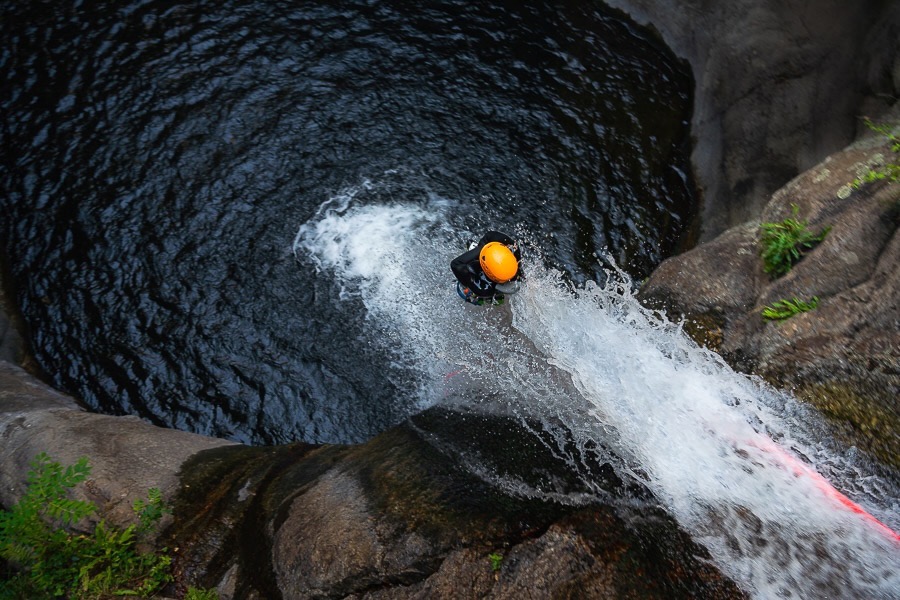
pixel 158 159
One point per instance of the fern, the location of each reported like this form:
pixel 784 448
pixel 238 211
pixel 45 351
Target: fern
pixel 200 594
pixel 52 561
pixel 891 170
pixel 784 243
pixel 31 533
pixel 150 511
pixel 785 309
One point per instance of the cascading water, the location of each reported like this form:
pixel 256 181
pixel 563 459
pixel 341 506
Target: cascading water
pixel 734 461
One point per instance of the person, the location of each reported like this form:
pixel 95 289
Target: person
pixel 489 269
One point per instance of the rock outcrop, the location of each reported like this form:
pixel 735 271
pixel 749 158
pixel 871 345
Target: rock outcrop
pixel 778 87
pixel 127 455
pixel 391 518
pixel 843 356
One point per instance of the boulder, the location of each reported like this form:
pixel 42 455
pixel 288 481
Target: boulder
pixel 843 356
pixel 397 517
pixel 127 456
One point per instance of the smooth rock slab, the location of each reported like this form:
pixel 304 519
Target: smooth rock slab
pixel 127 456
pixel 397 518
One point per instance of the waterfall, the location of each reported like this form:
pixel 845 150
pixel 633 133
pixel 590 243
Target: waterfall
pixel 747 470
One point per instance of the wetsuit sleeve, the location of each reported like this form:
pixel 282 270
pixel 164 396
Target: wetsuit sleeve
pixel 496 236
pixel 462 267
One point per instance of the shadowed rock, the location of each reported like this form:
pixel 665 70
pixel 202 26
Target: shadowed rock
pixel 778 87
pixel 392 518
pixel 397 518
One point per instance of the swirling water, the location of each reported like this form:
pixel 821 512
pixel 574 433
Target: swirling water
pixel 158 156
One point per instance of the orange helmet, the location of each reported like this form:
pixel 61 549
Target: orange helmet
pixel 498 262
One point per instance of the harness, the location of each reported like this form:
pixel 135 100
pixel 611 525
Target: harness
pixel 469 296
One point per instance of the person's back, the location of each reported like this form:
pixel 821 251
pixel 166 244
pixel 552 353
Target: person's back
pixel 489 269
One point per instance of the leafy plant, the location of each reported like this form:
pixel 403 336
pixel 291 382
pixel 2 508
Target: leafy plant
pixel 889 171
pixel 785 309
pixel 784 243
pixel 496 560
pixel 53 560
pixel 150 511
pixel 27 537
pixel 198 594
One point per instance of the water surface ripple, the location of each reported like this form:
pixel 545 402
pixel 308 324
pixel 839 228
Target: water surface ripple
pixel 158 157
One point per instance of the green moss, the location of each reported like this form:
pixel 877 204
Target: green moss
pixel 867 424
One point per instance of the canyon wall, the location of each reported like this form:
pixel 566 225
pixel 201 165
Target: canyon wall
pixel 779 85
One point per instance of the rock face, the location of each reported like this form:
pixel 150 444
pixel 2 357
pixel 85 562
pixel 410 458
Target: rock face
pixel 844 356
pixel 778 87
pixel 396 518
pixel 392 518
pixel 127 456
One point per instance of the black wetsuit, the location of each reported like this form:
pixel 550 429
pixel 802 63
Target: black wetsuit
pixel 467 266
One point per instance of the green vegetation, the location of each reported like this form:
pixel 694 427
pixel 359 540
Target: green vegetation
pixel 785 309
pixel 891 170
pixel 54 561
pixel 784 243
pixel 198 594
pixel 47 557
pixel 496 560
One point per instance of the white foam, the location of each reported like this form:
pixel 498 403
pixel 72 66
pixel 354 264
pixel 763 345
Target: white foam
pixel 696 428
pixel 696 431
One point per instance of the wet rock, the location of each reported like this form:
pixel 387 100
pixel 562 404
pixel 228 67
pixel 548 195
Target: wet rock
pixel 844 356
pixel 398 518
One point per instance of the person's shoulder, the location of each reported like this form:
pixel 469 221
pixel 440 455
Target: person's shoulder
pixel 496 236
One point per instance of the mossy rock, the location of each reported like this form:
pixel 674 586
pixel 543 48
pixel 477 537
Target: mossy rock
pixel 866 424
pixel 706 330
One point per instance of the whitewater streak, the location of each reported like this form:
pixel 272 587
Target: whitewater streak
pixel 725 454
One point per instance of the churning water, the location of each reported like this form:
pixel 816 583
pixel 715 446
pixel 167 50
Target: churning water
pixel 735 462
pixel 158 156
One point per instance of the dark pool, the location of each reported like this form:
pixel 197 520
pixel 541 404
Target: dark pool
pixel 159 157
